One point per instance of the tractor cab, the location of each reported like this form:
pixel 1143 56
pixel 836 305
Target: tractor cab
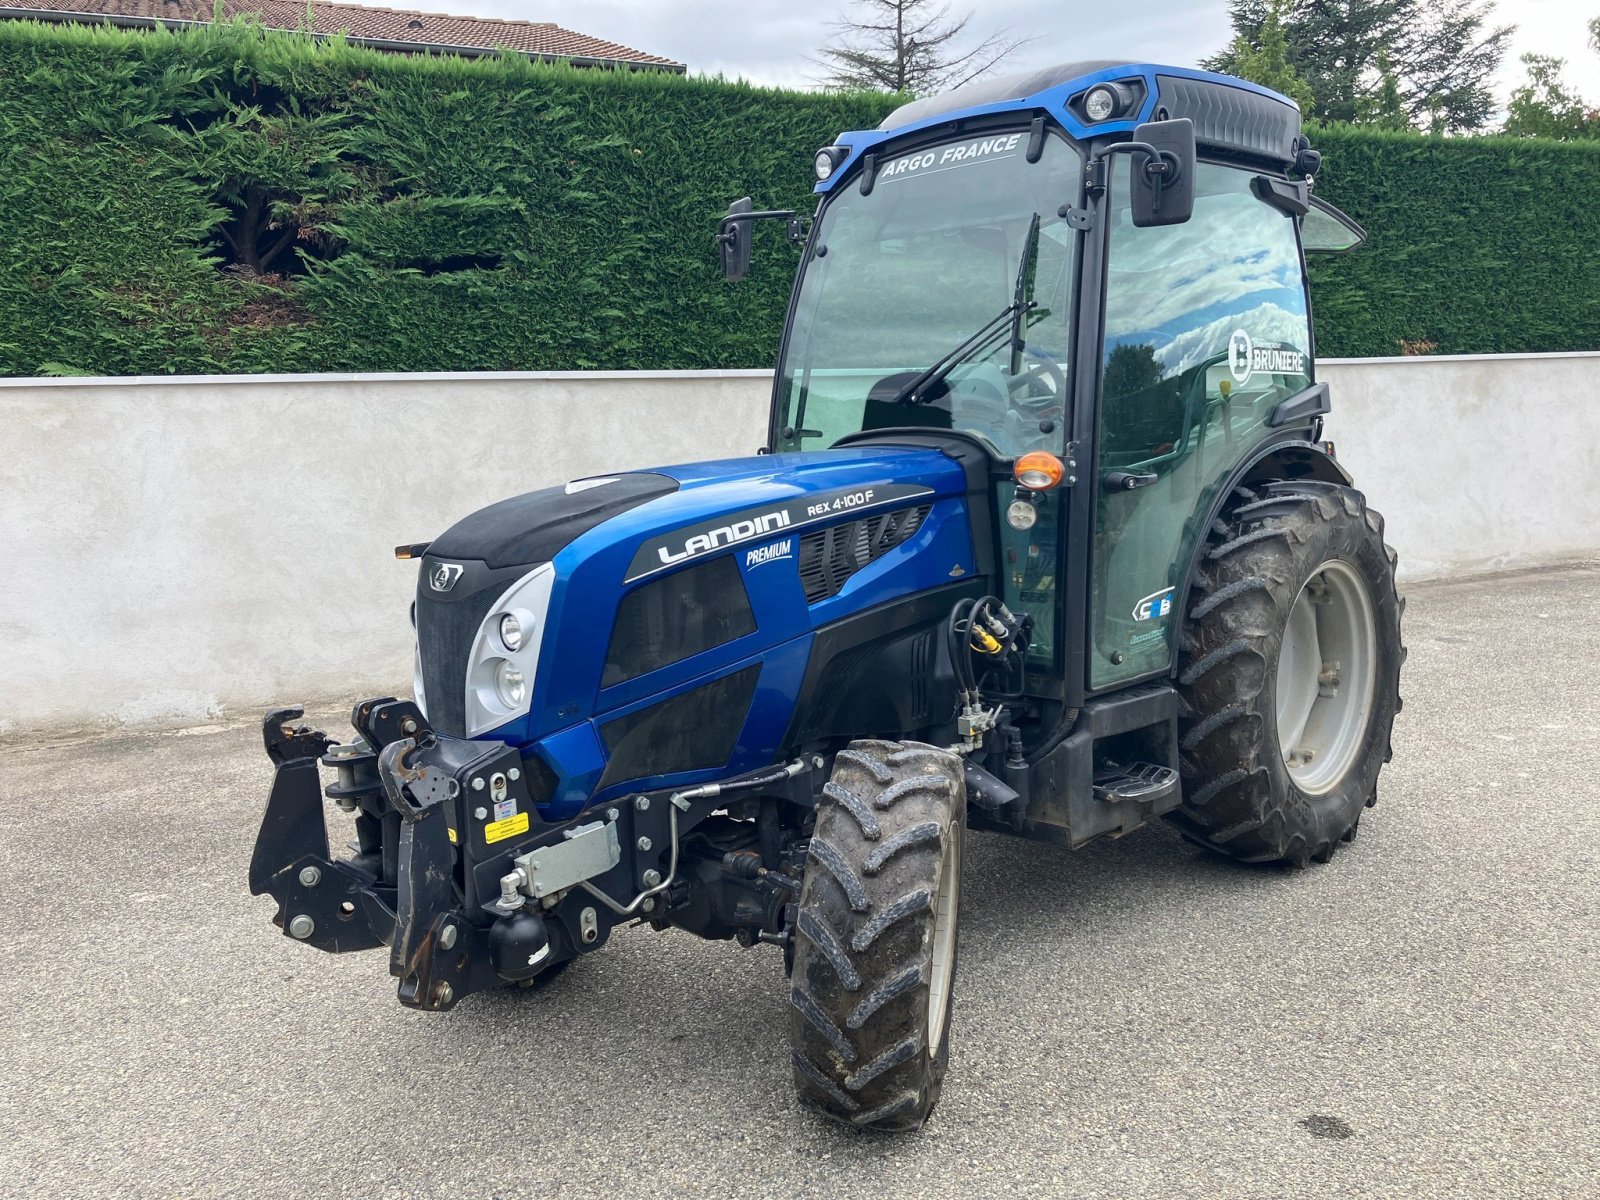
pixel 1098 267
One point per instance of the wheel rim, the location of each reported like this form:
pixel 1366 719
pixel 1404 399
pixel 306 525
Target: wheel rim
pixel 1327 670
pixel 943 967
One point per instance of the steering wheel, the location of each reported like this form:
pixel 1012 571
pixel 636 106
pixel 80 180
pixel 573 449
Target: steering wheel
pixel 1026 397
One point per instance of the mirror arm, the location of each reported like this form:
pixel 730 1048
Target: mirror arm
pixel 1161 162
pixel 797 224
pixel 1162 165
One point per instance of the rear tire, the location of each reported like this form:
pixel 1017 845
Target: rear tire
pixel 1290 670
pixel 875 939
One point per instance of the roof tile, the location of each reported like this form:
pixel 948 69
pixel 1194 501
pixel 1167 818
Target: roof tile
pixel 541 39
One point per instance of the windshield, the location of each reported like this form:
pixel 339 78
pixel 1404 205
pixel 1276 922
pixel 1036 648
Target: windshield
pixel 902 277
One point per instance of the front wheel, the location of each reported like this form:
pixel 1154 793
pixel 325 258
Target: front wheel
pixel 1290 670
pixel 875 939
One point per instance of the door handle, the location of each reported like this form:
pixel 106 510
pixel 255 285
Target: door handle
pixel 1126 481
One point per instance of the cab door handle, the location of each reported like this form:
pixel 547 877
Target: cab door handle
pixel 1126 481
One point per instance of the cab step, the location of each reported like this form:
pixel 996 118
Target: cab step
pixel 1142 783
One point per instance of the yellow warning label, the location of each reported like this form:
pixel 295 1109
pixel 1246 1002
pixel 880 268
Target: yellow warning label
pixel 499 831
pixel 452 834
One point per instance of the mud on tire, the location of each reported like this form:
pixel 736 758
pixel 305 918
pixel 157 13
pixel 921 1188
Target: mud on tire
pixel 876 919
pixel 1239 796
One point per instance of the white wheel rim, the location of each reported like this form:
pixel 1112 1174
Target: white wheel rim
pixel 1327 675
pixel 942 968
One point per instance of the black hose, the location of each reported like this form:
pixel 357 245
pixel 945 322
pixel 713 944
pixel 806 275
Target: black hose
pixel 1069 718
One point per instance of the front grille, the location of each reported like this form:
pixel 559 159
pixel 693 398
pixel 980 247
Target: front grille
pixel 830 556
pixel 445 633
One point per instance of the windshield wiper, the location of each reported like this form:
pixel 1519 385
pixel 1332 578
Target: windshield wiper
pixel 1010 319
pixel 914 392
pixel 1030 254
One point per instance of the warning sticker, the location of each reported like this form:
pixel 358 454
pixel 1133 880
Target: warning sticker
pixel 452 834
pixel 499 831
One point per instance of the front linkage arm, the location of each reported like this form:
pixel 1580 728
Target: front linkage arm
pixel 317 897
pixel 404 887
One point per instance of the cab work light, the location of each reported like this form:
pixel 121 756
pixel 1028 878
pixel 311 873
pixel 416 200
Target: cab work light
pixel 828 160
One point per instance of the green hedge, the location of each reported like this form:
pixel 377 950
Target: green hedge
pixel 1482 245
pixel 441 214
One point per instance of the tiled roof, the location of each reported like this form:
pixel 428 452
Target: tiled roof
pixel 540 39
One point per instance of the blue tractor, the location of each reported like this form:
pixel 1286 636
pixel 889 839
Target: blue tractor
pixel 1044 539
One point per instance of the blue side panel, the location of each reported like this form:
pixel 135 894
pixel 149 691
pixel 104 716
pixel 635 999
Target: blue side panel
pixel 1053 101
pixel 578 759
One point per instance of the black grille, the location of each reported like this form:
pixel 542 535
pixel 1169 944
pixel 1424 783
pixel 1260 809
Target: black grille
pixel 830 556
pixel 445 633
pixel 686 613
pixel 692 732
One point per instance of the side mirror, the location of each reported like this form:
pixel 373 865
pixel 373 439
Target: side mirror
pixel 1162 173
pixel 733 241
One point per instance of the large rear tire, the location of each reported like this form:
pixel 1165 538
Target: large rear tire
pixel 1290 670
pixel 875 940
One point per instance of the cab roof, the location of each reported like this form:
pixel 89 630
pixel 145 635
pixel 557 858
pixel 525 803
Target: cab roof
pixel 1232 117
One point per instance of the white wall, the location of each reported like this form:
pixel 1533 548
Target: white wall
pixel 180 547
pixel 1478 462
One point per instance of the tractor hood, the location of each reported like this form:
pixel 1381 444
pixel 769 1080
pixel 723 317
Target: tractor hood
pixel 628 586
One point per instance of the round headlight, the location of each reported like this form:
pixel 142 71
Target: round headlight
pixel 511 632
pixel 1100 103
pixel 1022 514
pixel 510 685
pixel 824 164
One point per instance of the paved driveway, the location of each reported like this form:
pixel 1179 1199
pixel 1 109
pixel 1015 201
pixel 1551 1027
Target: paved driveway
pixel 1419 1018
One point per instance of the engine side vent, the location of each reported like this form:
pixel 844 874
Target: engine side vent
pixel 830 556
pixel 677 616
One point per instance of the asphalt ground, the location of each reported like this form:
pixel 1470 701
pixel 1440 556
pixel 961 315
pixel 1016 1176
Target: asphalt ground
pixel 1137 1019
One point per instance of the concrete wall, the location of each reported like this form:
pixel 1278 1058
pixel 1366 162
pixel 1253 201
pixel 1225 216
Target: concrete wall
pixel 178 548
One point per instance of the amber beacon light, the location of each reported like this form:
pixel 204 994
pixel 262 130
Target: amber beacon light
pixel 1038 471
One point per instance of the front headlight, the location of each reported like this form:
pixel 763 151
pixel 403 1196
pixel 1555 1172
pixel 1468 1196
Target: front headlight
pixel 511 686
pixel 503 666
pixel 511 632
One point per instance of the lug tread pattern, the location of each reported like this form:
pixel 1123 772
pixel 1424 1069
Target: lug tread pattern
pixel 807 1008
pixel 856 807
pixel 907 906
pixel 873 766
pixel 882 994
pixel 892 1057
pixel 823 1084
pixel 906 839
pixel 863 959
pixel 887 1113
pixel 826 940
pixel 905 787
pixel 829 856
pixel 1247 539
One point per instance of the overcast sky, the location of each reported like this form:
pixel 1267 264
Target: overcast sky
pixel 767 41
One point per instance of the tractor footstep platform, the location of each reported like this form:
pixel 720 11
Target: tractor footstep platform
pixel 1139 782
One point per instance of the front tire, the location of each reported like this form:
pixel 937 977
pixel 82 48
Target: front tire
pixel 875 938
pixel 1290 671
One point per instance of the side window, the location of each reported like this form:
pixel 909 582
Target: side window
pixel 1206 332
